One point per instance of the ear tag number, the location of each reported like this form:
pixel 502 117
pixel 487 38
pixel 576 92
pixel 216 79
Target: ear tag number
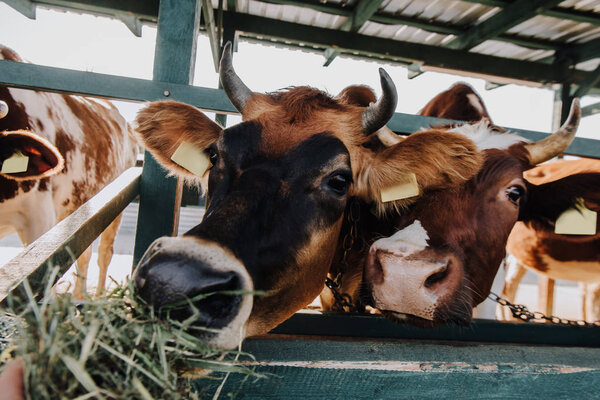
pixel 577 220
pixel 407 187
pixel 15 164
pixel 191 158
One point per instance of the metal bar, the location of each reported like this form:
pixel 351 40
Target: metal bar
pixel 371 326
pixel 592 109
pixel 211 31
pixel 175 55
pixel 31 76
pixel 62 244
pixel 512 15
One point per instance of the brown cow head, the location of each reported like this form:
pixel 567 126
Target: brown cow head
pixel 447 248
pixel 277 191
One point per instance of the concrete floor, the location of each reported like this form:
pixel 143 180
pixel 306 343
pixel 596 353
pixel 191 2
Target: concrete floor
pixel 567 302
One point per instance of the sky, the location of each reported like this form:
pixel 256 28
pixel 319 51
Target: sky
pixel 98 44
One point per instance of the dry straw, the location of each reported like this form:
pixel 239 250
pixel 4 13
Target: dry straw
pixel 113 347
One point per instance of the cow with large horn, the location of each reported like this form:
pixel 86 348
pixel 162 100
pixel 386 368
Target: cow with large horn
pixel 434 262
pixel 277 190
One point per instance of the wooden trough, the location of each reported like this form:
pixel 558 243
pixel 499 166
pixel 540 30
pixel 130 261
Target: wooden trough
pixel 312 355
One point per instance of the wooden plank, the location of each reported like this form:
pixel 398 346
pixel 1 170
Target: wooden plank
pixel 30 76
pixel 174 60
pixel 489 331
pixel 330 369
pixel 62 244
pixel 510 16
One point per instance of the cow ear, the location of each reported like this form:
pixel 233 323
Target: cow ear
pixel 25 156
pixel 357 95
pixel 163 126
pixel 437 159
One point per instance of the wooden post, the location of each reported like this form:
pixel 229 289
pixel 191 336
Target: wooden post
pixel 562 105
pixel 175 56
pixel 228 36
pixel 545 294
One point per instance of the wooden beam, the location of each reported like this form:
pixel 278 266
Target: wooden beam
pixel 511 15
pixel 175 56
pixel 232 5
pixel 362 12
pixel 67 240
pixel 592 109
pixel 562 105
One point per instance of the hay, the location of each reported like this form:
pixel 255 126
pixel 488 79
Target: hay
pixel 112 347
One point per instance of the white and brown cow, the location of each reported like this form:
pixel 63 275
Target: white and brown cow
pixel 437 259
pixel 93 139
pixel 277 193
pixel 535 246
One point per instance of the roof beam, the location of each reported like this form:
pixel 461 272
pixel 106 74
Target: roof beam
pixel 232 5
pixel 25 7
pixel 511 15
pixel 362 12
pixel 592 80
pixel 572 14
pixel 592 109
pixel 211 31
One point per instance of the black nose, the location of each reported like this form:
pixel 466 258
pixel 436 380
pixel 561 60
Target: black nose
pixel 180 288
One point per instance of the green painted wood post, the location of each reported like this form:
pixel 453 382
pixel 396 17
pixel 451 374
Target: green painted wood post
pixel 175 55
pixel 228 36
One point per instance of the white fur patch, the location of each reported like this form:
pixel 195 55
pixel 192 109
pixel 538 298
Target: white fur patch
pixel 475 102
pixel 486 138
pixel 411 239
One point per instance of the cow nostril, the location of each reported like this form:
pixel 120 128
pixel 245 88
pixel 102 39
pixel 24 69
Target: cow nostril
pixel 437 277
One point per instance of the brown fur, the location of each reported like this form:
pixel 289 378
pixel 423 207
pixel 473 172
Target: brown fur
pixel 454 104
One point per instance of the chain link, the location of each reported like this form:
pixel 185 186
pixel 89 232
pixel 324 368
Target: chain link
pixel 343 301
pixel 522 313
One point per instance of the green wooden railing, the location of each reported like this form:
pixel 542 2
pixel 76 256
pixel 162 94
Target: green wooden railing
pixel 383 360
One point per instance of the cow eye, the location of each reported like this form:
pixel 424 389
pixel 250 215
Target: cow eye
pixel 213 156
pixel 514 194
pixel 339 183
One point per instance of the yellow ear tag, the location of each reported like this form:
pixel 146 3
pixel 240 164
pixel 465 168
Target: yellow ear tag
pixel 191 158
pixel 15 164
pixel 407 187
pixel 577 220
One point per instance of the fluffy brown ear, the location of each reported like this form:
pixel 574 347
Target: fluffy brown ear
pixel 357 95
pixel 438 160
pixel 163 125
pixel 24 156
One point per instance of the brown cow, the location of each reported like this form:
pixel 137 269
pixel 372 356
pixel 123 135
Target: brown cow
pixel 460 103
pixel 277 192
pixel 96 144
pixel 570 257
pixel 442 254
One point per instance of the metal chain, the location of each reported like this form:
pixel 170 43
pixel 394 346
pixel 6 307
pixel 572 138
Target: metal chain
pixel 522 313
pixel 343 301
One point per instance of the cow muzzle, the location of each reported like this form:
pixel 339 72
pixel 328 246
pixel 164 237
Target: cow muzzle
pixel 417 284
pixel 185 277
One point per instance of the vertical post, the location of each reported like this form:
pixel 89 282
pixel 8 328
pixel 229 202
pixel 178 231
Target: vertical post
pixel 228 36
pixel 174 59
pixel 562 104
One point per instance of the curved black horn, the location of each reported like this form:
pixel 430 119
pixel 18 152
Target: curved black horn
pixel 3 109
pixel 379 113
pixel 237 92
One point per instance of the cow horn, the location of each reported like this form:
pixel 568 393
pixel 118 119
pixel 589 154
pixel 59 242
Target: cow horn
pixel 3 109
pixel 558 142
pixel 379 113
pixel 235 89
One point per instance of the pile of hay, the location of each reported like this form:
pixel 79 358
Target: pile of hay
pixel 111 347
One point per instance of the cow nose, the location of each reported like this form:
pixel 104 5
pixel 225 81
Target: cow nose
pixel 180 284
pixel 411 284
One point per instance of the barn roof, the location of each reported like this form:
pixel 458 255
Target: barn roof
pixel 536 42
